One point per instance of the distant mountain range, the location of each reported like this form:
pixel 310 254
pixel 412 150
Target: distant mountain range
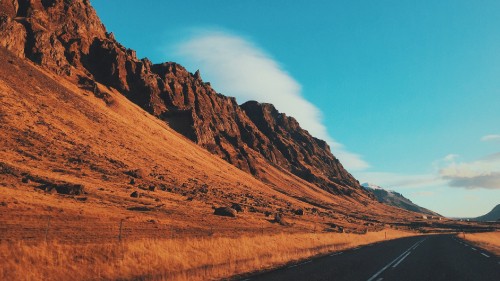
pixel 395 199
pixel 493 215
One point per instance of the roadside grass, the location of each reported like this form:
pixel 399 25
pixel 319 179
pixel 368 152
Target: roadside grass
pixel 486 240
pixel 208 258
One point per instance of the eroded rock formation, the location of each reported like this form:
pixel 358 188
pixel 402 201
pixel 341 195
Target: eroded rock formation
pixel 68 38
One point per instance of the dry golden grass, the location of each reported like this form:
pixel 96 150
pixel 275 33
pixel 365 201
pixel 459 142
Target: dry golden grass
pixel 172 259
pixel 486 240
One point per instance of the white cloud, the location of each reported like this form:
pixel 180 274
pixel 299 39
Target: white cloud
pixel 451 157
pixel 483 173
pixel 491 138
pixel 237 67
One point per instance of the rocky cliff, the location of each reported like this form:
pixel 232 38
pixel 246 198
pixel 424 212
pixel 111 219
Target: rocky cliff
pixel 67 38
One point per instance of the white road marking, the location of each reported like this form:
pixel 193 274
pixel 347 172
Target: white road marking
pixel 389 264
pixel 473 249
pixel 356 248
pixel 485 255
pixel 295 265
pixel 336 254
pixel 396 264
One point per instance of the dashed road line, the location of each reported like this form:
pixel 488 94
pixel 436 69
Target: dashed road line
pixel 336 254
pixel 396 264
pixel 396 259
pixel 474 249
pixel 485 255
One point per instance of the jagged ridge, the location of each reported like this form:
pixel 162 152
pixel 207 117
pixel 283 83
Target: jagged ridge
pixel 68 38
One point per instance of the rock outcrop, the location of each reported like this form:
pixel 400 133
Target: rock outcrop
pixel 68 38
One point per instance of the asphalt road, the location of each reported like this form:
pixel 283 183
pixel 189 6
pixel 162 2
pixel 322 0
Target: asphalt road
pixel 432 258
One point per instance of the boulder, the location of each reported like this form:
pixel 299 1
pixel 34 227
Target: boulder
pixel 63 188
pixel 225 212
pixel 136 173
pixel 237 207
pixel 298 212
pixel 280 218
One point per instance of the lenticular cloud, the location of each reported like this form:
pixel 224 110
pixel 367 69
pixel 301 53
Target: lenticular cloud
pixel 237 67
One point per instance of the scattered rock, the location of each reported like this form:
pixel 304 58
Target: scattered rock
pixel 152 188
pixel 267 213
pixel 132 181
pixel 134 194
pixel 298 212
pixel 63 188
pixel 137 173
pixel 237 207
pixel 140 208
pixel 225 212
pixel 82 199
pixel 279 218
pixel 331 224
pixel 25 180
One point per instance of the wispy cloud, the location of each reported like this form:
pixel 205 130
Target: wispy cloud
pixel 451 157
pixel 399 180
pixel 237 67
pixel 491 138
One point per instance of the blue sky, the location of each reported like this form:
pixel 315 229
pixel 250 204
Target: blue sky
pixel 406 92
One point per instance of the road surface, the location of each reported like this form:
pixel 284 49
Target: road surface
pixel 433 258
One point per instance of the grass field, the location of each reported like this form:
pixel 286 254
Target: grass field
pixel 487 240
pixel 172 259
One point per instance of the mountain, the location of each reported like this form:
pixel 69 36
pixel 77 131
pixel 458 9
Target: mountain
pixel 67 38
pixel 493 215
pixel 109 134
pixel 395 199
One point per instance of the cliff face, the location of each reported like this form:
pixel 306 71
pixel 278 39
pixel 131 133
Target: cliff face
pixel 68 38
